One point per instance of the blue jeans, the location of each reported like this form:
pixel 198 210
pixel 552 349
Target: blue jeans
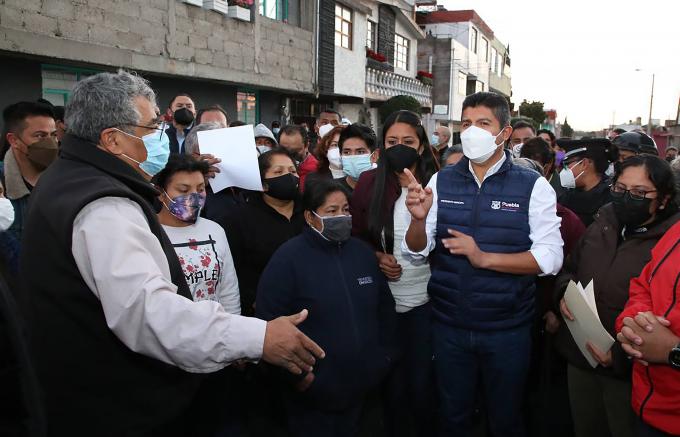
pixel 496 360
pixel 409 392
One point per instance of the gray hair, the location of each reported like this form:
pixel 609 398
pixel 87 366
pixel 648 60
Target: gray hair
pixel 191 141
pixel 451 150
pixel 106 100
pixel 447 132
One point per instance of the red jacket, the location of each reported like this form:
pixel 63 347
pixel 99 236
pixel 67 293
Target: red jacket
pixel 656 388
pixel 307 167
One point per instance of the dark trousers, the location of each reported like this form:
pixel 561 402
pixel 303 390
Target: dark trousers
pixel 409 398
pixel 496 360
pixel 306 421
pixel 600 404
pixel 644 430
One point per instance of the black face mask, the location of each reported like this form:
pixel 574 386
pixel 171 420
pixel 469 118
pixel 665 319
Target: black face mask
pixel 283 187
pixel 183 116
pixel 631 212
pixel 400 157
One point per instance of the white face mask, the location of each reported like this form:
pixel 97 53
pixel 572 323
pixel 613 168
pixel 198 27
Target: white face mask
pixel 263 149
pixel 517 150
pixel 6 214
pixel 478 144
pixel 334 157
pixel 610 170
pixel 567 179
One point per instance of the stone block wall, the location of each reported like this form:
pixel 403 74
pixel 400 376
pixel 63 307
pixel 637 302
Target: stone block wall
pixel 166 37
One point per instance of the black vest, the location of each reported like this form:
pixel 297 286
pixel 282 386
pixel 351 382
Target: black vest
pixel 92 383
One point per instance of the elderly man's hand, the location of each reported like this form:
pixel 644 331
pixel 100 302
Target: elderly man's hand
pixel 212 162
pixel 285 346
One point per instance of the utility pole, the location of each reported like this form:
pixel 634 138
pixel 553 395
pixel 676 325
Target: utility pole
pixel 651 102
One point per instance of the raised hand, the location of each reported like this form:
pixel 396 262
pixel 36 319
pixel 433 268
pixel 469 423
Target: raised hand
pixel 418 199
pixel 212 162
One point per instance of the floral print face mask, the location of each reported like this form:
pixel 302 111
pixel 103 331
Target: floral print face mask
pixel 186 207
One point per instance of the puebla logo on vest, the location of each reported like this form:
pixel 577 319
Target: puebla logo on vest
pixel 504 206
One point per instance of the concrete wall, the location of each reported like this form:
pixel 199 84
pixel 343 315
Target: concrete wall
pixel 458 31
pixel 162 36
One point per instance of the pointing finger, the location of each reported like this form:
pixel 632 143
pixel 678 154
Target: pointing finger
pixel 412 179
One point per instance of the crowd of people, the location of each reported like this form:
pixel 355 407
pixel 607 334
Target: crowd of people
pixel 380 284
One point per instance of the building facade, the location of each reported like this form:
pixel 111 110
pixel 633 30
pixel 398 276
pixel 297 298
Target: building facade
pixel 255 69
pixel 279 60
pixel 368 54
pixel 464 56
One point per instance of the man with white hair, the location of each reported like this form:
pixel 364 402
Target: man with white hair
pixel 115 336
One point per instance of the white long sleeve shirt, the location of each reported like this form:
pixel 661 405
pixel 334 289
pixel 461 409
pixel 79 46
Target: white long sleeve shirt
pixel 124 265
pixel 203 252
pixel 544 224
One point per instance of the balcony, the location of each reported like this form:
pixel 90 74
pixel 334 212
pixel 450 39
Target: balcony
pixel 382 85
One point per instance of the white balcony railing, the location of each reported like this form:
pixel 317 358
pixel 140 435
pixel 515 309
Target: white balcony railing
pixel 381 85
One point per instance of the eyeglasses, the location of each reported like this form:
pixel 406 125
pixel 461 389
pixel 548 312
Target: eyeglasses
pixel 619 190
pixel 157 124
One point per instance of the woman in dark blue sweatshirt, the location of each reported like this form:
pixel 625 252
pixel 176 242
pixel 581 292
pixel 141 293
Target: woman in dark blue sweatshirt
pixel 351 314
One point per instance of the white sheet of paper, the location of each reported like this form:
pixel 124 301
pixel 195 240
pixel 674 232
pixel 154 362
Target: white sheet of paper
pixel 586 326
pixel 235 146
pixel 589 292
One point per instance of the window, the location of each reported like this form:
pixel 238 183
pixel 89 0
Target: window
pixel 247 107
pixel 494 60
pixel 58 82
pixel 473 40
pixel 462 83
pixel 485 49
pixel 274 9
pixel 343 27
pixel 499 64
pixel 401 52
pixel 370 35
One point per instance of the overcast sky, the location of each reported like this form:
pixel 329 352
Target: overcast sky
pixel 580 57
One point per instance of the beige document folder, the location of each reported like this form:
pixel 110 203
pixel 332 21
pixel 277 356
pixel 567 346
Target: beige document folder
pixel 586 326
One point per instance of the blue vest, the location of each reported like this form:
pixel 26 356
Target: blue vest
pixel 497 217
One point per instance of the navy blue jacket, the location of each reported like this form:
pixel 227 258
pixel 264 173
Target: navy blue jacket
pixel 171 132
pixel 351 313
pixel 497 217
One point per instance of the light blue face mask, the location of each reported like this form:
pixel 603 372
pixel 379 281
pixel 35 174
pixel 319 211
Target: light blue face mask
pixel 354 165
pixel 157 146
pixel 434 140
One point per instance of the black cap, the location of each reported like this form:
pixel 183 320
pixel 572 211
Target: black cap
pixel 636 142
pixel 588 147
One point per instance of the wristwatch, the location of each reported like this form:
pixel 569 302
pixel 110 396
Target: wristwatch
pixel 674 357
